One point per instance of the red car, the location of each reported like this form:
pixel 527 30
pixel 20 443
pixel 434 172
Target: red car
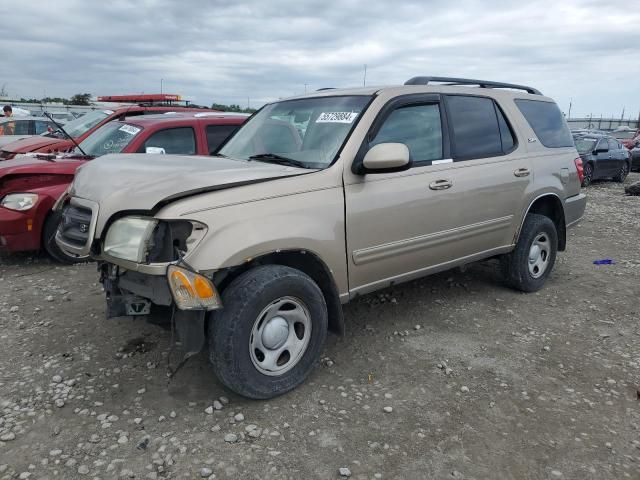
pixel 81 128
pixel 30 185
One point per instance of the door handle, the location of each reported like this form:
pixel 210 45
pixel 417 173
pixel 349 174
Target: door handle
pixel 522 172
pixel 441 185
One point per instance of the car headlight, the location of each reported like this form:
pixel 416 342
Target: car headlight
pixel 19 201
pixel 130 238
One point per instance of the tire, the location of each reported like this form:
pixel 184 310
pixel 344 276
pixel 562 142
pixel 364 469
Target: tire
pixel 267 297
pixel 49 241
pixel 588 175
pixel 622 174
pixel 518 267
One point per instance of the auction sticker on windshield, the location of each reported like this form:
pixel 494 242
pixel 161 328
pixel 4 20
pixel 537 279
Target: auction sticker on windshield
pixel 337 117
pixel 129 129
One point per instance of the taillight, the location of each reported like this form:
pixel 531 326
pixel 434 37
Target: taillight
pixel 579 168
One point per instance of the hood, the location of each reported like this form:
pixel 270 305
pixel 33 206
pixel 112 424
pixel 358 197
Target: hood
pixel 146 182
pixel 23 165
pixel 36 144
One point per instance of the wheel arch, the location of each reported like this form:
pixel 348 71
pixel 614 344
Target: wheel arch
pixel 308 263
pixel 549 205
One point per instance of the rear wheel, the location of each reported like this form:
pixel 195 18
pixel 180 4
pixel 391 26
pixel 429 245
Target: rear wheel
pixel 269 335
pixel 622 174
pixel 588 175
pixel 49 241
pixel 527 267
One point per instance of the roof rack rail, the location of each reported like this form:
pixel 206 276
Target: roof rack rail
pixel 325 88
pixel 470 81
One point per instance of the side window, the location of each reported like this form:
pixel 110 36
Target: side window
pixel 418 127
pixel 474 124
pixel 16 127
pixel 180 141
pixel 506 135
pixel 42 127
pixel 547 122
pixel 216 134
pixel 603 144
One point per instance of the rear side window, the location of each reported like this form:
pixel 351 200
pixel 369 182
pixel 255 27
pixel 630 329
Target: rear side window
pixel 476 130
pixel 181 141
pixel 217 134
pixel 547 122
pixel 418 127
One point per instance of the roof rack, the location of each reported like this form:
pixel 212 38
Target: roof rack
pixel 470 81
pixel 325 88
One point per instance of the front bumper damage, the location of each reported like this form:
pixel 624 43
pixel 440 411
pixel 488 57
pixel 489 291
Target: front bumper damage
pixel 130 293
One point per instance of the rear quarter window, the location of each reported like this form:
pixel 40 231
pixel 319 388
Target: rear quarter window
pixel 547 122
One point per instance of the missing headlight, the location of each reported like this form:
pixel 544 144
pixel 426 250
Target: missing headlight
pixel 172 236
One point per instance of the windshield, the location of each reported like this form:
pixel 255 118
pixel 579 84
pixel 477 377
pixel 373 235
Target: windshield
pixel 79 126
pixel 112 137
pixel 585 145
pixel 309 131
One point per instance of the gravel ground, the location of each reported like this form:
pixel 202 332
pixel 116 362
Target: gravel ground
pixel 453 376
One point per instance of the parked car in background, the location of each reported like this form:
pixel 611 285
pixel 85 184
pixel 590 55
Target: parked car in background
pixel 81 128
pixel 633 141
pixel 29 186
pixel 13 129
pixel 322 198
pixel 602 157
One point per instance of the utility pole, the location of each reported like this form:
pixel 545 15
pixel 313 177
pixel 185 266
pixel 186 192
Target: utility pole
pixel 364 79
pixel 305 88
pixel 161 80
pixel 570 101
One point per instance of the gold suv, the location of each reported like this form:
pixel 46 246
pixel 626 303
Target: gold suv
pixel 321 198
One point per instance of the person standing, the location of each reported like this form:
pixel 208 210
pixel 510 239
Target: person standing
pixel 8 127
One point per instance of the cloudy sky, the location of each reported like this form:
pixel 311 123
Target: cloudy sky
pixel 582 51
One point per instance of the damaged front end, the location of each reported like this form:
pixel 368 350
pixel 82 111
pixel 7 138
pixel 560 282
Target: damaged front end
pixel 143 270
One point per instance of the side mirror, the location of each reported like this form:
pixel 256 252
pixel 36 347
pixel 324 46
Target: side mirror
pixel 387 157
pixel 155 150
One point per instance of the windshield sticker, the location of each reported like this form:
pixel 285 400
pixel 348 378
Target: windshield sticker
pixel 337 117
pixel 129 129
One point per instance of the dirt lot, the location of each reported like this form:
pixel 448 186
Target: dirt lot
pixel 484 382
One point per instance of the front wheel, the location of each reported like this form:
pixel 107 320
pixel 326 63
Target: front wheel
pixel 527 267
pixel 622 174
pixel 270 333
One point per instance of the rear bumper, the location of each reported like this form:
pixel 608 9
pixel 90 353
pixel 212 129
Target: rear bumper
pixel 574 208
pixel 19 231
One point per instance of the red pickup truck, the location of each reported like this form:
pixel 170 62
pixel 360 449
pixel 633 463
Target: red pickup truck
pixel 31 184
pixel 81 128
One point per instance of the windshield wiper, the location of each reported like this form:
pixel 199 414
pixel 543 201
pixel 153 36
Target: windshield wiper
pixel 73 140
pixel 279 159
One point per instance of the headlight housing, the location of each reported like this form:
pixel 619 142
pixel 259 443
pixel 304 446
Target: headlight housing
pixel 130 238
pixel 19 201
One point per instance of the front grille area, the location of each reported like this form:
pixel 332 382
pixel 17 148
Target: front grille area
pixel 73 228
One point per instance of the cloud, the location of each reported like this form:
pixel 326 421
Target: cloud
pixel 259 51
